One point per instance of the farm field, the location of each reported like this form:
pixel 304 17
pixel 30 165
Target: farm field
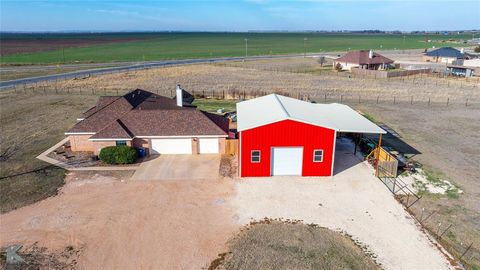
pixel 62 48
pixel 446 135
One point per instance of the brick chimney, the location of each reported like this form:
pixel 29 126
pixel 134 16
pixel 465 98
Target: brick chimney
pixel 370 54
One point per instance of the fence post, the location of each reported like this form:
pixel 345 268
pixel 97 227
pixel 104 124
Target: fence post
pixel 449 226
pixel 378 98
pixel 466 102
pixel 341 98
pixel 448 100
pixel 411 100
pixel 428 101
pixel 325 100
pixel 465 252
pixel 394 99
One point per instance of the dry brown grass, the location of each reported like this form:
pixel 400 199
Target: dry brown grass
pixel 450 146
pixel 284 76
pixel 280 245
pixel 31 123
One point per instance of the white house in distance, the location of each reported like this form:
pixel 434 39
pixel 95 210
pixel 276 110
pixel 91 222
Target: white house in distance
pixel 363 59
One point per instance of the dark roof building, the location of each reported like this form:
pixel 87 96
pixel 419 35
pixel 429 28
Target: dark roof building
pixel 446 55
pixel 364 59
pixel 447 52
pixel 142 113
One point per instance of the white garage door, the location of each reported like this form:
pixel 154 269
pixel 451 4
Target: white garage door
pixel 287 160
pixel 172 146
pixel 208 145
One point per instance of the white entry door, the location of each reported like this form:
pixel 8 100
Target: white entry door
pixel 208 145
pixel 287 160
pixel 172 146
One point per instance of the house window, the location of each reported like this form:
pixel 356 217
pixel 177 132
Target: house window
pixel 117 143
pixel 317 155
pixel 255 157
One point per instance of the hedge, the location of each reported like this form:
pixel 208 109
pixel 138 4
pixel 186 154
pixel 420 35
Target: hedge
pixel 121 154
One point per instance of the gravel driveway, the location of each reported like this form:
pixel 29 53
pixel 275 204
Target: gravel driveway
pixel 183 224
pixel 353 201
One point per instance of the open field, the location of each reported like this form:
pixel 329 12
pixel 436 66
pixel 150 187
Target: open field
pixel 158 46
pixel 14 43
pixel 281 245
pixel 298 77
pixel 29 124
pixel 450 146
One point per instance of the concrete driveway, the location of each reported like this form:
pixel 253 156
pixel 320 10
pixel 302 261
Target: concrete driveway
pixel 353 201
pixel 179 167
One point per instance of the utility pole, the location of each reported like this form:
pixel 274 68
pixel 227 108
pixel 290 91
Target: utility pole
pixel 304 47
pixel 246 49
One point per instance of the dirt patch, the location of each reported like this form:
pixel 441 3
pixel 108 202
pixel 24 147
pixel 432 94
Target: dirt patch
pixel 14 46
pixel 228 166
pixel 36 257
pixel 126 224
pixel 291 245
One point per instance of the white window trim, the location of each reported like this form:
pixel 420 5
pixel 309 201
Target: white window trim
pixel 259 156
pixel 315 150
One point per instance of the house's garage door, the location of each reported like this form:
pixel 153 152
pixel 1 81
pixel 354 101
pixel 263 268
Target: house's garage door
pixel 172 146
pixel 287 160
pixel 208 145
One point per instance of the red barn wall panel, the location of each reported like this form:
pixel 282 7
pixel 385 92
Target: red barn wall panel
pixel 282 134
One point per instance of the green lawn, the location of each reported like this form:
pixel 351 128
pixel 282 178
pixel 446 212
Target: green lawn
pixel 212 105
pixel 160 46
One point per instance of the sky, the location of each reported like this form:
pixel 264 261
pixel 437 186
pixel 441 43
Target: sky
pixel 238 15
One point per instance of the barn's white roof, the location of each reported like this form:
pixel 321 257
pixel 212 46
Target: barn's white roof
pixel 273 108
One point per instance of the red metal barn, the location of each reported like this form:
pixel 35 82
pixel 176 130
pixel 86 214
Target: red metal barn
pixel 285 136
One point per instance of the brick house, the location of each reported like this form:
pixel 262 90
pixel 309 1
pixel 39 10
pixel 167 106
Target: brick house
pixel 363 59
pixel 158 124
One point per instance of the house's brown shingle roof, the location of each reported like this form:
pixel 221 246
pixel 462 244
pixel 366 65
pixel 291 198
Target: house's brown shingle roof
pixel 361 58
pixel 101 103
pixel 103 117
pixel 141 113
pixel 188 122
pixel 116 130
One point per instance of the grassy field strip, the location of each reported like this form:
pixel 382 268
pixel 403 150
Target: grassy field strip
pixel 202 45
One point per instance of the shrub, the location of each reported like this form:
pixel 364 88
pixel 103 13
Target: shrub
pixel 121 154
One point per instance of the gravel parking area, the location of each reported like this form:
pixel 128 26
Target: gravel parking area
pixel 120 223
pixel 352 201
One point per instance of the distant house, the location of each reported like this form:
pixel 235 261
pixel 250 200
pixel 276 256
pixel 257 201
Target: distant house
pixel 447 55
pixel 363 59
pixel 460 71
pixel 157 124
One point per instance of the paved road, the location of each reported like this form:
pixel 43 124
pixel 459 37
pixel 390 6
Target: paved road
pixel 134 66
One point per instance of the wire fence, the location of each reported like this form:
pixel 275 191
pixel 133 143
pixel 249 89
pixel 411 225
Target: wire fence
pixel 235 92
pixel 463 250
